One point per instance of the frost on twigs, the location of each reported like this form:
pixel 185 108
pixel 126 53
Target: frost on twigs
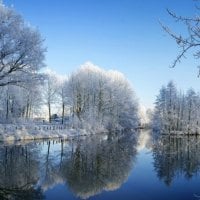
pixel 21 49
pixel 176 112
pixel 101 99
pixel 188 40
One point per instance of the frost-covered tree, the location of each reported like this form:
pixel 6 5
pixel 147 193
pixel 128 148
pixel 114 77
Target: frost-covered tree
pixel 50 91
pixel 62 96
pixel 176 111
pixel 100 98
pixel 192 109
pixel 21 58
pixel 21 49
pixel 166 107
pixel 18 103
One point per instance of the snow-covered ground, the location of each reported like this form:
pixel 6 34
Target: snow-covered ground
pixel 11 132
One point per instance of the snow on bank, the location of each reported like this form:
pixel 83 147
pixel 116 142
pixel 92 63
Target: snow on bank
pixel 10 132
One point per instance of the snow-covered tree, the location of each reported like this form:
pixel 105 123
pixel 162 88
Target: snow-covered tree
pixel 192 109
pixel 62 96
pixel 21 58
pixel 101 98
pixel 19 102
pixel 50 91
pixel 21 49
pixel 176 111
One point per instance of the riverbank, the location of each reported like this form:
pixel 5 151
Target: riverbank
pixel 13 132
pixel 22 132
pixel 182 133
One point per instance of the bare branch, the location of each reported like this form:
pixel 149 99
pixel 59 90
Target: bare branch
pixel 183 19
pixel 188 41
pixel 21 48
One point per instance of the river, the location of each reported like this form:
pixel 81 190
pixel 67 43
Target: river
pixel 106 166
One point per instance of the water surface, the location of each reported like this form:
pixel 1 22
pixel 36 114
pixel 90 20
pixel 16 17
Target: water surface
pixel 102 167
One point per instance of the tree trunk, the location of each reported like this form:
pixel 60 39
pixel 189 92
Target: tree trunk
pixel 63 112
pixel 7 108
pixel 49 107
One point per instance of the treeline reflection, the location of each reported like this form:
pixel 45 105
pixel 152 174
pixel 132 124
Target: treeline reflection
pixel 88 166
pixel 99 165
pixel 175 155
pixel 19 172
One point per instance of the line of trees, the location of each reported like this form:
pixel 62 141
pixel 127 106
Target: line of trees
pixel 102 98
pixel 91 96
pixel 176 111
pixel 21 58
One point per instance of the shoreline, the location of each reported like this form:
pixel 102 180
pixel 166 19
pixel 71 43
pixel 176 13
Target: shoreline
pixel 25 132
pixel 22 132
pixel 10 132
pixel 180 134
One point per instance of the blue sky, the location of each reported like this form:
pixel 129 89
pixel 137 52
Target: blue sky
pixel 124 35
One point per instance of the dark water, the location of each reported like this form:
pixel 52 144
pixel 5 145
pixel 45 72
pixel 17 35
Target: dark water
pixel 102 167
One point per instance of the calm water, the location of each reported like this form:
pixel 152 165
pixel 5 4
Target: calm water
pixel 102 167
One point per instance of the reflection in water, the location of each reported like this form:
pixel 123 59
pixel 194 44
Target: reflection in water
pixel 174 156
pixel 19 173
pixel 88 166
pixel 144 140
pixel 94 165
